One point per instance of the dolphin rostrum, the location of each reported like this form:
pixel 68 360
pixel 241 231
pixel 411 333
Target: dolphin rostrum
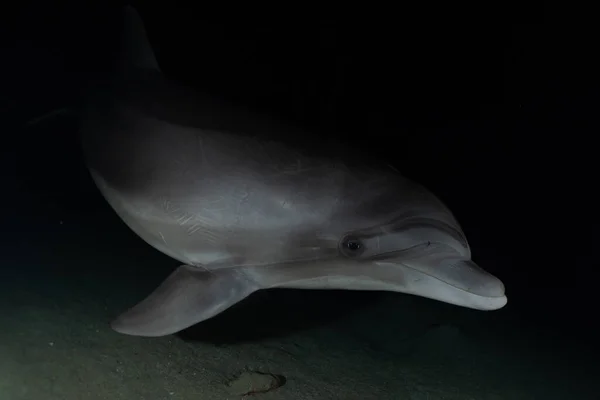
pixel 245 205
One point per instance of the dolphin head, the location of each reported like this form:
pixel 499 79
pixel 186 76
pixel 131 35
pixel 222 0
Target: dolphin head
pixel 388 234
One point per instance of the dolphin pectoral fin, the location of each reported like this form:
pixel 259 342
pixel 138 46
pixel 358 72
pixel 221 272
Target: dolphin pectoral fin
pixel 189 295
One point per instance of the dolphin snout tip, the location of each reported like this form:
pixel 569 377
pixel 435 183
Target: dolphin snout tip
pixel 493 291
pixel 494 287
pixel 494 294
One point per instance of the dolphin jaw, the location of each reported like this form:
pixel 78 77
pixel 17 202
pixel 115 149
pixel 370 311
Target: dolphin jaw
pixel 487 295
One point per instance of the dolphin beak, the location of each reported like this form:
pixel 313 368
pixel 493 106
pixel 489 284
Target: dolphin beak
pixel 452 280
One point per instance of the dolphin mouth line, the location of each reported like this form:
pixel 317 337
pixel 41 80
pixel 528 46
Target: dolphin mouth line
pixel 450 284
pixel 389 255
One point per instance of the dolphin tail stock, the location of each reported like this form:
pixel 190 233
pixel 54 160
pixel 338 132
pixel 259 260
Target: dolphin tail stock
pixel 188 296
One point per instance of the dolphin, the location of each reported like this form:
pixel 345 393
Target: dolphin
pixel 246 203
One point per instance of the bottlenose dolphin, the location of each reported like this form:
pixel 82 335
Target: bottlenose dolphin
pixel 245 204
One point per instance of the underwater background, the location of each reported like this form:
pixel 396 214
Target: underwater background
pixel 494 111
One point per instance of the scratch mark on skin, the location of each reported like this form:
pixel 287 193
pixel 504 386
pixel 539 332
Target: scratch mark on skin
pixel 166 204
pixel 163 238
pixel 184 219
pixel 195 224
pixel 193 229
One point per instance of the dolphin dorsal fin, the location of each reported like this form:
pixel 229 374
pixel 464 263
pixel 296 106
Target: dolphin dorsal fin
pixel 136 51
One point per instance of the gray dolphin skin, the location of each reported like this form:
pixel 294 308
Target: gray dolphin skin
pixel 244 204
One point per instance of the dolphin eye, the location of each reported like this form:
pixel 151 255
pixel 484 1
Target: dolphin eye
pixel 352 247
